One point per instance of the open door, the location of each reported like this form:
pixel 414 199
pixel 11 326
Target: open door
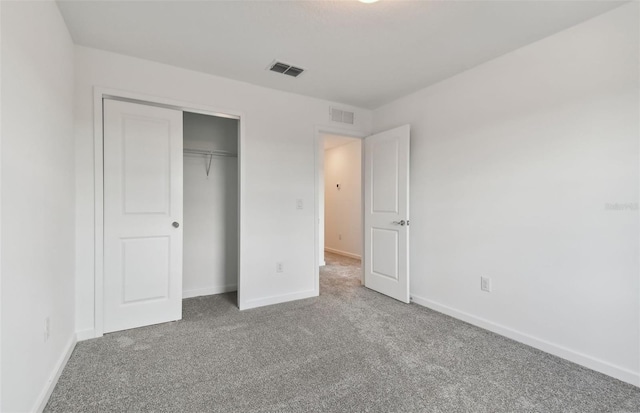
pixel 142 215
pixel 386 213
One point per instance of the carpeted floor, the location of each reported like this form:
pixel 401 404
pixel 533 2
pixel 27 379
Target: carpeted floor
pixel 349 350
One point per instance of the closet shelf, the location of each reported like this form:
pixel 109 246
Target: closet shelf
pixel 210 154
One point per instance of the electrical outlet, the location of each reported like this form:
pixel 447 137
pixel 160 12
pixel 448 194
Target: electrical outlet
pixel 47 329
pixel 299 204
pixel 279 267
pixel 340 237
pixel 485 284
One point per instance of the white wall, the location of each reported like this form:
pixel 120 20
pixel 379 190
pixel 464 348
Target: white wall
pixel 37 200
pixel 278 166
pixel 343 207
pixel 513 164
pixel 210 207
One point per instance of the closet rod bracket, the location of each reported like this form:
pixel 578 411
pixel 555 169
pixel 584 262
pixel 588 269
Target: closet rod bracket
pixel 209 165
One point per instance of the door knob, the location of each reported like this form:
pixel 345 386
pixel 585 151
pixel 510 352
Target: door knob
pixel 402 222
pixel 175 224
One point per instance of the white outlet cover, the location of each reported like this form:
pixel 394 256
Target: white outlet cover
pixel 485 284
pixel 299 204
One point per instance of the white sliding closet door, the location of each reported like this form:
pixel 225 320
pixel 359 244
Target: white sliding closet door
pixel 142 215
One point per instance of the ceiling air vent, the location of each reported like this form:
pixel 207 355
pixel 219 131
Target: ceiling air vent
pixel 285 69
pixel 342 116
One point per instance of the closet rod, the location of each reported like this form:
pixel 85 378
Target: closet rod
pixel 210 154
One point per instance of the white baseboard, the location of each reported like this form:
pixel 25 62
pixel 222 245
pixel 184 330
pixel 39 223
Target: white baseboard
pixel 83 335
pixel 343 253
pixel 44 395
pixel 261 302
pixel 209 291
pixel 590 362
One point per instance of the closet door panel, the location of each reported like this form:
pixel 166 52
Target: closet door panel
pixel 142 215
pixel 146 153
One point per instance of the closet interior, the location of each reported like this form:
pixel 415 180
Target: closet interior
pixel 210 264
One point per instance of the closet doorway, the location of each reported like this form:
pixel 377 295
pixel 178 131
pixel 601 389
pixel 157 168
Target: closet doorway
pixel 210 259
pixel 170 211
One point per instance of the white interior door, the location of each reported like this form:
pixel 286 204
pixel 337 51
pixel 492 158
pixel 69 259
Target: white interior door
pixel 142 215
pixel 386 213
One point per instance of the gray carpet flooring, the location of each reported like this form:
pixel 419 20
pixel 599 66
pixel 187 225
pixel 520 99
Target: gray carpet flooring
pixel 349 350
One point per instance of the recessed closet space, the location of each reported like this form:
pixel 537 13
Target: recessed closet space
pixel 210 264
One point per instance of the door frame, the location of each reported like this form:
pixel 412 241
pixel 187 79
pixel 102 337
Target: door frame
pixel 100 93
pixel 318 149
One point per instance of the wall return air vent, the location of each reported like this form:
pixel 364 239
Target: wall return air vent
pixel 342 116
pixel 285 69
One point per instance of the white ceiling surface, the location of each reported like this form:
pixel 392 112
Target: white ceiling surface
pixel 365 55
pixel 331 141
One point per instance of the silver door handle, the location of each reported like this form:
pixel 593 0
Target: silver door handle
pixel 175 224
pixel 402 222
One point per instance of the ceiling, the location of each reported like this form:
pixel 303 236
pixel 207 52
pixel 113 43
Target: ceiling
pixel 365 55
pixel 331 141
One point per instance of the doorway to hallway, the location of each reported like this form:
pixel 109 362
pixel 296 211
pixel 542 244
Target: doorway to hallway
pixel 343 196
pixel 383 208
pixel 340 275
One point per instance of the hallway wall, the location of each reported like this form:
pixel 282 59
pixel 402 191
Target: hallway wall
pixel 343 206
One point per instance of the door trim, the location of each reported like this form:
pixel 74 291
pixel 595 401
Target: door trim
pixel 100 93
pixel 318 149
